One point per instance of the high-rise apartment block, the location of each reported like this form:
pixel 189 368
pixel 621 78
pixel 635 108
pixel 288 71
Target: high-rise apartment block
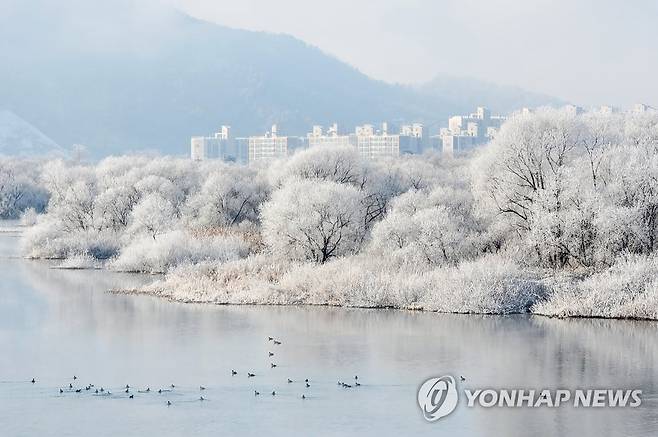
pixel 268 147
pixel 467 131
pixel 218 146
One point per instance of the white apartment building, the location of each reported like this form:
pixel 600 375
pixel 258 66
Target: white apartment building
pixel 608 109
pixel 574 109
pixel 218 146
pixel 467 131
pixel 268 147
pixel 413 139
pixel 641 107
pixel 331 138
pixel 373 144
pixel 370 142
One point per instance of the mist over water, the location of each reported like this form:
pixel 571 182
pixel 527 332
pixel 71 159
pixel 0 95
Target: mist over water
pixel 58 323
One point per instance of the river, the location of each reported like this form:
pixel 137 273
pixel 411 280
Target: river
pixel 56 324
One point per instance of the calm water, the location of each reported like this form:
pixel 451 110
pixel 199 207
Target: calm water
pixel 56 323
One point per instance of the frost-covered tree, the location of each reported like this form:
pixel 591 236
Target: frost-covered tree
pixel 20 188
pixel 526 158
pixel 578 189
pixel 165 188
pixel 432 228
pixel 229 196
pixel 114 206
pixel 153 215
pixel 312 220
pixel 338 164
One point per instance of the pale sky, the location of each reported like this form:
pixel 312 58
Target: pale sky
pixel 589 52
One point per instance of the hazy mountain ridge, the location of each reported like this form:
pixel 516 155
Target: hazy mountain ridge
pixel 18 137
pixel 126 79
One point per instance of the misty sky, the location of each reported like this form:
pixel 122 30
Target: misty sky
pixel 586 51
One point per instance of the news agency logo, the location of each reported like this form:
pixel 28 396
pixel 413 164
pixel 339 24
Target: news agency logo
pixel 438 397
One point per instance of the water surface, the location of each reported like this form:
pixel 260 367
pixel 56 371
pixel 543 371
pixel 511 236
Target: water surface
pixel 58 323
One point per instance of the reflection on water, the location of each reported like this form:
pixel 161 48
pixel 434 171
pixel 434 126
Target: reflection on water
pixel 58 323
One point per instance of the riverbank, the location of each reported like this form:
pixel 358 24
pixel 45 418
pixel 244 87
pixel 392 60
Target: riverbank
pixel 491 285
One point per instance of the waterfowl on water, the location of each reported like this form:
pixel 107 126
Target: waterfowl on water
pixel 256 392
pixel 289 380
pixel 249 375
pixel 233 373
pixel 272 365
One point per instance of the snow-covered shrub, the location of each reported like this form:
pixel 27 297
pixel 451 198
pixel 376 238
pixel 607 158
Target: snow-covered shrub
pixel 48 239
pixel 145 254
pixel 491 284
pixel 629 289
pixel 244 281
pixel 80 261
pixel 488 285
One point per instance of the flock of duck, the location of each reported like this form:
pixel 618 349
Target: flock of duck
pixel 101 391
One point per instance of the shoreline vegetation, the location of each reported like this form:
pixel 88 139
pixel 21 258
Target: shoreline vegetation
pixel 463 291
pixel 557 216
